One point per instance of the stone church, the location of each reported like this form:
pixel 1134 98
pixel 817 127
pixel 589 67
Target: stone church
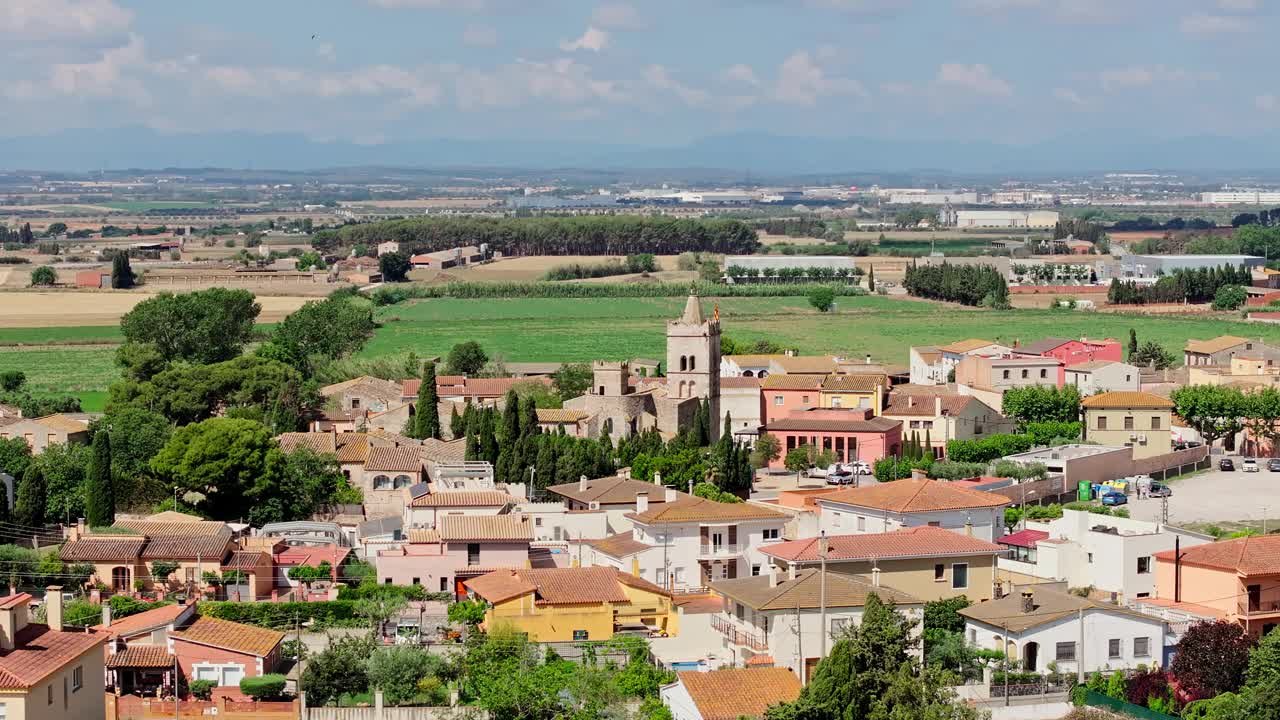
pixel 619 405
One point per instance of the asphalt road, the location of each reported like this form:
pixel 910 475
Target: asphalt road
pixel 1217 496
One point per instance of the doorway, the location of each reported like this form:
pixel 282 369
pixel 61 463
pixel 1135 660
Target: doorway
pixel 1030 655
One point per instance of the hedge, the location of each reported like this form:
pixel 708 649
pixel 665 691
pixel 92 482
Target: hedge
pixel 263 687
pixel 477 291
pixel 327 613
pixel 408 592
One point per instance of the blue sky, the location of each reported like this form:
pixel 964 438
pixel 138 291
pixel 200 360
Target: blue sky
pixel 645 72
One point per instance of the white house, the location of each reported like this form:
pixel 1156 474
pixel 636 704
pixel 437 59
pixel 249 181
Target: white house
pixel 780 618
pixel 1097 376
pixel 425 511
pixel 554 522
pixel 1083 549
pixel 910 503
pixel 1039 624
pixel 934 364
pixel 728 694
pixel 688 542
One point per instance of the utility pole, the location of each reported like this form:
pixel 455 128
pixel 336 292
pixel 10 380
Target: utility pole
pixel 1007 669
pixel 1164 510
pixel 822 593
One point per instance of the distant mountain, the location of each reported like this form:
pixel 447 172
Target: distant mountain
pixel 759 154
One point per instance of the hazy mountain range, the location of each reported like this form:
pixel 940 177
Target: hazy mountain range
pixel 759 154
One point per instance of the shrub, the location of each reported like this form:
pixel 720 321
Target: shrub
pixel 987 449
pixel 44 276
pixel 366 591
pixel 263 687
pixel 331 613
pixel 202 689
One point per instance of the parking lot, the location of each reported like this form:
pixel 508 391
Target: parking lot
pixel 1217 497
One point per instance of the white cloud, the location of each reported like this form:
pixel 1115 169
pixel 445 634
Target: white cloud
pixel 741 73
pixel 1142 76
pixel 109 75
pixel 801 81
pixel 1205 24
pixel 562 81
pixel 976 78
pixel 593 39
pixel 480 36
pixel 617 16
pixel 49 18
pixel 660 78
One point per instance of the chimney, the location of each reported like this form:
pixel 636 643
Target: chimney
pixel 642 502
pixel 875 576
pixel 624 473
pixel 1028 601
pixel 669 495
pixel 868 358
pixel 773 575
pixel 582 483
pixel 657 478
pixel 968 526
pixel 911 401
pixel 106 615
pixel 937 405
pixel 53 607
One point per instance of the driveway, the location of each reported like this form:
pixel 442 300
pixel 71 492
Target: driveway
pixel 1216 496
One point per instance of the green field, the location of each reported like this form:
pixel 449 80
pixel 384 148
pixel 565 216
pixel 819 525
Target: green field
pixel 145 205
pixel 66 369
pixel 61 335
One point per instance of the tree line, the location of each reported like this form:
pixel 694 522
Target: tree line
pixel 818 274
pixel 476 291
pixel 1197 286
pixel 592 235
pixel 966 284
pixel 632 264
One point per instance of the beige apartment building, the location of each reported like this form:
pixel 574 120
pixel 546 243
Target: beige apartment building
pixel 1129 419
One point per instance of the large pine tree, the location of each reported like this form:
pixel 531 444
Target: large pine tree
pixel 99 500
pixel 427 412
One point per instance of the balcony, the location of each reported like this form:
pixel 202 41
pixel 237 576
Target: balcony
pixel 1266 604
pixel 739 636
pixel 720 550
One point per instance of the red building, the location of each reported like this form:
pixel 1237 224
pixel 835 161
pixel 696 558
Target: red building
pixel 783 395
pixel 1074 352
pixel 849 433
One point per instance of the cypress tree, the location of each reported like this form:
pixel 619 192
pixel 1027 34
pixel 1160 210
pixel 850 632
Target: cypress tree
pixel 121 272
pixel 456 426
pixel 511 417
pixel 472 420
pixel 28 510
pixel 1133 343
pixel 488 436
pixel 545 471
pixel 928 445
pixel 428 414
pixel 502 471
pixel 871 278
pixel 528 418
pixel 99 500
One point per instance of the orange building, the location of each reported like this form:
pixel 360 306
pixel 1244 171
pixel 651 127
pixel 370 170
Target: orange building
pixel 1234 579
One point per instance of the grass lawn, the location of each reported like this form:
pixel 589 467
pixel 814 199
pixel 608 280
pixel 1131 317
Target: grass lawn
pixel 61 335
pixel 585 329
pixel 68 369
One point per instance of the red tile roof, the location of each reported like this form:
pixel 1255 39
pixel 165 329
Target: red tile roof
pixel 465 498
pixel 926 406
pixel 739 382
pixel 493 528
pixel 141 656
pixel 872 425
pixel 908 496
pixel 229 635
pixel 393 459
pixel 145 621
pixel 1247 556
pixel 103 548
pixel 40 652
pixel 313 556
pixel 734 693
pixel 560 586
pixel 1024 538
pixel 916 542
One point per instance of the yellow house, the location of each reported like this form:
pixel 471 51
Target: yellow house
pixel 1131 419
pixel 47 672
pixel 855 391
pixel 129 553
pixel 566 604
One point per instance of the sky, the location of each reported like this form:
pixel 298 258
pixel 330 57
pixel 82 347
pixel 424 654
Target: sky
pixel 641 73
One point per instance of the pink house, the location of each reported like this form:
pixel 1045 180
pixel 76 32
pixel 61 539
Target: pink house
pixel 783 395
pixel 849 433
pixel 462 547
pixel 1074 352
pixel 224 651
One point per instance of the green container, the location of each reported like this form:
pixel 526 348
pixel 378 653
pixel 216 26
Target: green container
pixel 1084 491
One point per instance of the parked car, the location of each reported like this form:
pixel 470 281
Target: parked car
pixel 1273 465
pixel 820 472
pixel 859 467
pixel 1249 465
pixel 1226 464
pixel 1158 490
pixel 1115 498
pixel 839 478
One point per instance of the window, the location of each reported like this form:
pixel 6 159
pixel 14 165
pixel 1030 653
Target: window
pixel 1144 565
pixel 355 403
pixel 537 522
pixel 1155 422
pixel 444 584
pixel 1102 422
pixel 939 572
pixel 579 634
pixel 660 577
pixel 935 523
pixel 1024 374
pixel 1044 373
pixel 973 636
pixel 77 678
pixel 1141 647
pixel 804 399
pixel 50 693
pixel 1090 557
pixel 1006 374
pixel 1128 378
pixel 755 570
pixel 387 581
pixel 1128 423
pixel 926 424
pixel 915 424
pixel 862 523
pixel 1113 648
pixel 1065 651
pixel 416 581
pixel 835 401
pixel 959 576
pixel 771 533
pixel 381 482
pixel 838 626
pixel 777 399
pixel 835 519
pixel 473 553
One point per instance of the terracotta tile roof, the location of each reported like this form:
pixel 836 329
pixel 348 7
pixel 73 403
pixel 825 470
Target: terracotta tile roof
pixel 312 555
pixel 806 364
pixel 173 516
pixel 141 656
pixel 62 423
pixel 916 542
pixel 1246 556
pixel 103 548
pixel 792 382
pixel 805 591
pixel 422 537
pixel 1126 399
pixel 612 491
pixel 915 405
pixel 396 439
pixel 188 547
pixel 367 386
pixel 696 509
pixel 1047 606
pixel 40 652
pixel 228 635
pixel 1040 347
pixel 442 381
pixel 908 496
pixel 760 661
pixel 499 586
pixel 146 620
pixel 753 360
pixel 619 545
pixel 246 560
pixel 640 583
pixel 11 600
pixel 1024 538
pixel 733 693
pixel 488 387
pixel 963 346
pixel 153 526
pixel 515 528
pixel 465 498
pixel 398 459
pixel 321 442
pixel 1092 365
pixel 1218 344
pixel 444 451
pixel 870 425
pixel 861 383
pixel 352 447
pixel 559 415
pixel 739 382
pixel 560 586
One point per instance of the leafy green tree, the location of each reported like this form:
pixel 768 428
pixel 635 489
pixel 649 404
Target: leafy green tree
pixel 1042 403
pixel 234 464
pixel 15 456
pixel 822 298
pixel 456 426
pixel 396 670
pixel 29 508
pixel 1213 410
pixel 1152 355
pixel 44 276
pixel 466 358
pixel 572 380
pixel 137 434
pixel 99 496
pixel 12 380
pixel 63 468
pixel 308 481
pixel 1229 297
pixel 467 612
pixel 427 412
pixel 339 670
pixel 205 326
pixel 394 267
pixel 122 277
pixel 767 449
pixel 797 459
pixel 140 361
pixel 1264 660
pixel 319 332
